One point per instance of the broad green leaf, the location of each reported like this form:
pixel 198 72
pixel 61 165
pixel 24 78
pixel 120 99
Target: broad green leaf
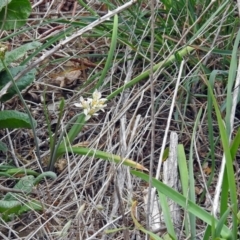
pixel 19 52
pixel 15 14
pixel 14 119
pixel 4 3
pixel 6 205
pixel 22 83
pixel 25 184
pixel 7 208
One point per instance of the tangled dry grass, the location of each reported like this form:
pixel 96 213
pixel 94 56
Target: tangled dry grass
pixel 91 198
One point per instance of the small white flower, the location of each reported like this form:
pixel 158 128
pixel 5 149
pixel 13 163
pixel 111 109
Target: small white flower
pixel 83 103
pixel 92 105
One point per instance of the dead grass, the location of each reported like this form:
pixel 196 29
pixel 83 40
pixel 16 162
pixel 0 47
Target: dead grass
pixel 93 195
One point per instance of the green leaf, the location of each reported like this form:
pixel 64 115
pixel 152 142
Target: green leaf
pixel 103 155
pixel 15 14
pixel 221 222
pixel 3 147
pixel 14 119
pixel 4 3
pixel 43 175
pixel 5 205
pixel 31 205
pixel 25 184
pixel 22 83
pixel 235 144
pixel 8 207
pixel 167 214
pixel 19 52
pixel 5 167
pixel 183 202
pixel 229 173
pixel 110 54
pixel 15 171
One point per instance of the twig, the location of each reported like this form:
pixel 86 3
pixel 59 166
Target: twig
pixel 6 189
pixel 12 149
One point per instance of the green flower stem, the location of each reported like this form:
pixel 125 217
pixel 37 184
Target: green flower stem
pixel 27 110
pixel 103 155
pixel 43 175
pixel 74 131
pixel 16 171
pixel 145 74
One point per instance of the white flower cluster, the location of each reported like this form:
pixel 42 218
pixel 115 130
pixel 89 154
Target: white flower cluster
pixel 92 105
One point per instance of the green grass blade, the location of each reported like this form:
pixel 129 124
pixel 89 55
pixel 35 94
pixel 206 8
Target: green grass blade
pixel 103 155
pixel 183 202
pixel 184 177
pixel 221 223
pixel 192 197
pixel 229 165
pixel 231 80
pixel 110 54
pixel 235 144
pixel 83 4
pixel 145 74
pixel 72 134
pixel 167 215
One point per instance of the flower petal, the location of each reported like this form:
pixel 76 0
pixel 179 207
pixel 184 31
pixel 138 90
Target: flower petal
pixel 96 95
pixel 87 117
pixel 78 105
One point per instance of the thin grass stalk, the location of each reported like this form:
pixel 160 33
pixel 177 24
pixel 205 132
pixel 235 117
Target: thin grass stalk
pixel 149 214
